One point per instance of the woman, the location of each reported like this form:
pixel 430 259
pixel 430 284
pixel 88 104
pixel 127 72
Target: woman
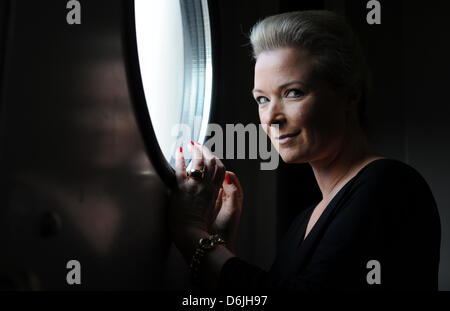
pixel 377 225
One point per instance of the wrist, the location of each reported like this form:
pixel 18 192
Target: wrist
pixel 212 264
pixel 187 240
pixel 208 265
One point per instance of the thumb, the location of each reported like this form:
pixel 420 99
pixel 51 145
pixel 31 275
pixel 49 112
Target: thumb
pixel 232 187
pixel 218 203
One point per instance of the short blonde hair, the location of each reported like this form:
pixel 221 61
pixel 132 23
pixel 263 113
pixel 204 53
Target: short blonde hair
pixel 328 39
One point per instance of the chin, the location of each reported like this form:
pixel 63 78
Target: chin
pixel 293 156
pixel 290 157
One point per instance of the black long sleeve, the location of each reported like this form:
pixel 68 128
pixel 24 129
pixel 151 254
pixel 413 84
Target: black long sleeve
pixel 385 213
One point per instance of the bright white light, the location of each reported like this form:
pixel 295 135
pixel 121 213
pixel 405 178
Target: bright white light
pixel 176 68
pixel 159 34
pixel 208 70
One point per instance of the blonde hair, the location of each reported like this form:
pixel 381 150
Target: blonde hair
pixel 328 39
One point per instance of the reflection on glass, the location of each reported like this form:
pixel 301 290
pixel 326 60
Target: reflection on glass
pixel 174 47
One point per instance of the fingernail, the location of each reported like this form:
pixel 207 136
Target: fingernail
pixel 198 143
pixel 227 178
pixel 181 149
pixel 192 143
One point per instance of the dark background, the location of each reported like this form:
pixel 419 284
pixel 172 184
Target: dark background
pixel 76 182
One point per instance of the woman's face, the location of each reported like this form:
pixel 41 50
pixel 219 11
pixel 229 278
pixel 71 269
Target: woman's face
pixel 310 115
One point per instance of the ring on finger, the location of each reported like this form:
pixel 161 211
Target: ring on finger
pixel 197 175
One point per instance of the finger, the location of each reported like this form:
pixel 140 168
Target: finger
pixel 209 161
pixel 180 166
pixel 232 188
pixel 218 203
pixel 232 179
pixel 211 167
pixel 197 157
pixel 219 172
pixel 196 162
pixel 207 153
pixel 231 205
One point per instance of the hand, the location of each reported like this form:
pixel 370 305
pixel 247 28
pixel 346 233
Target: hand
pixel 228 209
pixel 192 204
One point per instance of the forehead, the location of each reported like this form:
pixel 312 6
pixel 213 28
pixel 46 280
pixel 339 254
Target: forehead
pixel 283 62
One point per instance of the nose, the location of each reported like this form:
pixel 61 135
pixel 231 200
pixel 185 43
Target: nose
pixel 273 114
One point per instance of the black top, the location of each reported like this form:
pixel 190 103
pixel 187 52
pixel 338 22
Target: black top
pixel 385 213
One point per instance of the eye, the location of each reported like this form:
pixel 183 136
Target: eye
pixel 262 100
pixel 294 93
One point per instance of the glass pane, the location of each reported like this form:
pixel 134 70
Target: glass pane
pixel 174 49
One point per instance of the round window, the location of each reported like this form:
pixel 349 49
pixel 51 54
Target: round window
pixel 171 77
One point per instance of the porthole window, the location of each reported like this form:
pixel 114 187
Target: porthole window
pixel 171 76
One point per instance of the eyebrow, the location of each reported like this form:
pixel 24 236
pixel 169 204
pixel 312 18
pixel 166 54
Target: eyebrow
pixel 281 86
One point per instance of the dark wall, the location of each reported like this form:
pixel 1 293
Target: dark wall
pixel 408 111
pixel 76 182
pixel 427 110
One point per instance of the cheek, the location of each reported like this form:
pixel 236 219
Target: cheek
pixel 316 115
pixel 263 122
pixel 324 128
pixel 299 117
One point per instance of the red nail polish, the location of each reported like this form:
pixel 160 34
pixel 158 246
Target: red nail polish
pixel 227 178
pixel 198 143
pixel 192 143
pixel 181 149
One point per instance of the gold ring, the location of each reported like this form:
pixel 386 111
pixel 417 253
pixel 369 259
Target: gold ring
pixel 197 174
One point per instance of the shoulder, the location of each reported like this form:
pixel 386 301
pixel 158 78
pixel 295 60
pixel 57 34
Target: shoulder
pixel 390 182
pixel 389 173
pixel 387 167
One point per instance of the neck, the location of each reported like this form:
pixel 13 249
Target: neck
pixel 334 169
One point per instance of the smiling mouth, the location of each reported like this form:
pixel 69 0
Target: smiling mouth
pixel 283 139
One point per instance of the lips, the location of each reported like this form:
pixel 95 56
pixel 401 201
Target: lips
pixel 282 139
pixel 288 135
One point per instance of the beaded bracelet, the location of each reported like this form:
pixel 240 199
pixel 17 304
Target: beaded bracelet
pixel 204 245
